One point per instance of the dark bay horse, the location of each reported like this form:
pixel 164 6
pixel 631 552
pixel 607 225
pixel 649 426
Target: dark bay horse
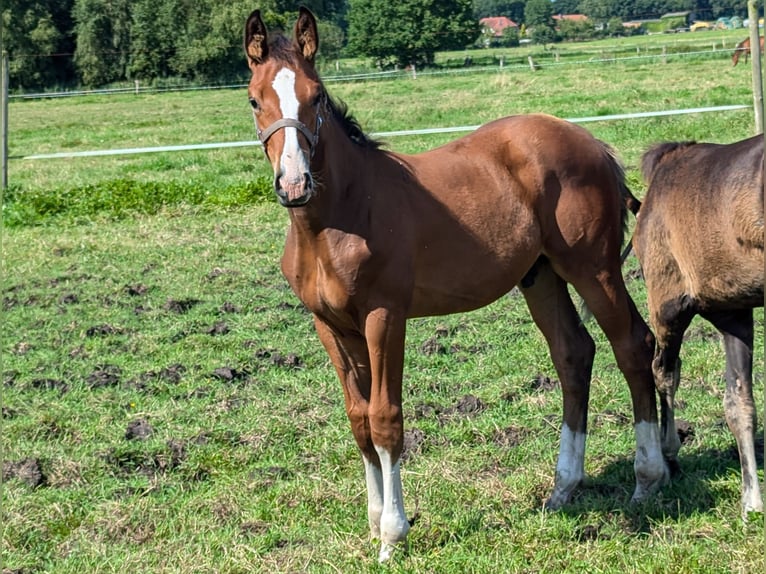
pixel 377 237
pixel 743 49
pixel 699 239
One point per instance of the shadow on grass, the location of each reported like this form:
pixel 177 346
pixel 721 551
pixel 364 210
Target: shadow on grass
pixel 691 491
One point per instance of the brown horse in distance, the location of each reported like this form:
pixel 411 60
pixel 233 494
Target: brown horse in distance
pixel 743 49
pixel 699 238
pixel 377 237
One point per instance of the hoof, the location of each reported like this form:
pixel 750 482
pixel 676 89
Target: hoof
pixel 646 488
pixel 673 467
pixel 387 550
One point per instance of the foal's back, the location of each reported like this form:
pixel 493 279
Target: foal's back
pixel 701 223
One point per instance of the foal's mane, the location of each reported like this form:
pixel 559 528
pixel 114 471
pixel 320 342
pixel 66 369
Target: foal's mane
pixel 281 48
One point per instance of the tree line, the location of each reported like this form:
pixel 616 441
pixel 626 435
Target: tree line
pixel 94 43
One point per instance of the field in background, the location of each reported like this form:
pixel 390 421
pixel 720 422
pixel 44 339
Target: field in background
pixel 168 408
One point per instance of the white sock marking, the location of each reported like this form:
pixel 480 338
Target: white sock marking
pixel 570 468
pixel 651 470
pixel 393 521
pixel 374 496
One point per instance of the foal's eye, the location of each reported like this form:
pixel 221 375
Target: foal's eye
pixel 254 104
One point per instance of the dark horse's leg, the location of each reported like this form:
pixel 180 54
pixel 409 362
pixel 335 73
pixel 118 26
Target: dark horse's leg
pixel 604 292
pixel 737 330
pixel 572 350
pixel 670 320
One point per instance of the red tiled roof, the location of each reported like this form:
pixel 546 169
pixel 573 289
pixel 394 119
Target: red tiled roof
pixel 497 24
pixel 571 17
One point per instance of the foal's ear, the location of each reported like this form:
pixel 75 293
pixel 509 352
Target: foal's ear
pixel 305 34
pixel 256 45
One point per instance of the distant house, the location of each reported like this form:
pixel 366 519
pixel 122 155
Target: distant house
pixel 495 25
pixel 570 17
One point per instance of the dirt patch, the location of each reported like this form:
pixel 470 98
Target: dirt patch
pixel 28 471
pixel 139 429
pixel 543 383
pixel 104 376
pixel 136 290
pixel 50 385
pixel 180 306
pixel 228 307
pixel 510 437
pixel 218 328
pixel 413 443
pixel 685 431
pixel 129 460
pixel 103 330
pixel 229 374
pixel 277 359
pixel 468 405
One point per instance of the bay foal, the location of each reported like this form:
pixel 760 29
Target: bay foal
pixel 376 237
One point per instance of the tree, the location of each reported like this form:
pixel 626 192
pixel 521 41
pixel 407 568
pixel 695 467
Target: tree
pixel 598 11
pixel 513 9
pixel 409 31
pixel 538 16
pixel 566 6
pixel 102 29
pixel 34 32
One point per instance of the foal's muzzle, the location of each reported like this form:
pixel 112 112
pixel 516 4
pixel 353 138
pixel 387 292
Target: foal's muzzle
pixel 293 190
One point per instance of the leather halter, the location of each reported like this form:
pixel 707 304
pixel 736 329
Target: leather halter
pixel 312 137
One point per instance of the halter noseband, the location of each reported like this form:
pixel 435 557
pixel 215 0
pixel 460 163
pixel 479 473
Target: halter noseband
pixel 312 137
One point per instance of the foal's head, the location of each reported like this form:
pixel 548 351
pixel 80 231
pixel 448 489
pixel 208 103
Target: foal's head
pixel 288 101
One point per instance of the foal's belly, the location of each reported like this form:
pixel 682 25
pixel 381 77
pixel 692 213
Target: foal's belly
pixel 459 288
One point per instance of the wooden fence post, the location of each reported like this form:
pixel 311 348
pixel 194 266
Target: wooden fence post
pixel 4 120
pixel 755 52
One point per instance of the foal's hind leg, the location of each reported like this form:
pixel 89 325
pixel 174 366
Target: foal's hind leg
pixel 737 330
pixel 670 317
pixel 632 343
pixel 572 350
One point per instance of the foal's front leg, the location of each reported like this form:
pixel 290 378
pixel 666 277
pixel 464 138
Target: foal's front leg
pixel 373 407
pixel 385 331
pixel 348 353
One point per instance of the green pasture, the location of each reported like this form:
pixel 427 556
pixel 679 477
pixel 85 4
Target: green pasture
pixel 167 407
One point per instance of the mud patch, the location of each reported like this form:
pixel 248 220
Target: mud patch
pixel 132 459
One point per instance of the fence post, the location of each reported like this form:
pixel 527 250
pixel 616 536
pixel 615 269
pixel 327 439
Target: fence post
pixel 4 119
pixel 755 52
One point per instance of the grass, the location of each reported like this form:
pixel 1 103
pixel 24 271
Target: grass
pixel 171 312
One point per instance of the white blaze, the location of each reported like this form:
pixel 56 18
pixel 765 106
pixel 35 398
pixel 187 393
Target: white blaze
pixel 292 163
